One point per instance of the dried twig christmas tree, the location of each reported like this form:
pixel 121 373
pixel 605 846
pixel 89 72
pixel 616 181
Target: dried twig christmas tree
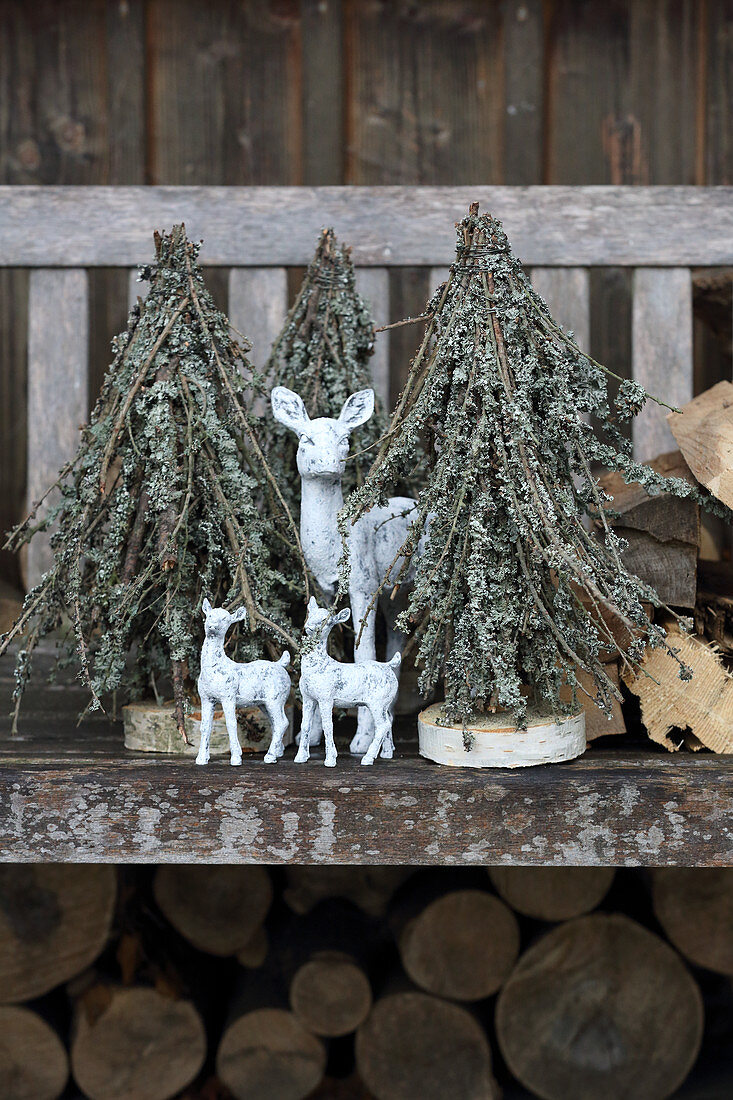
pixel 168 499
pixel 511 590
pixel 323 354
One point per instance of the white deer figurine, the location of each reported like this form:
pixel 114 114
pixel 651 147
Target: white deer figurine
pixel 257 683
pixel 374 539
pixel 326 683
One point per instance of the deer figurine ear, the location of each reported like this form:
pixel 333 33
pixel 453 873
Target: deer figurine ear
pixel 239 614
pixel 288 409
pixel 206 607
pixel 357 409
pixel 312 604
pixel 342 616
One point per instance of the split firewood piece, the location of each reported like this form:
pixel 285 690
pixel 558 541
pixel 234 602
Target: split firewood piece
pixel 703 705
pixel 597 722
pixel 330 994
pixel 704 432
pixel 254 952
pixel 552 893
pixel 135 1044
pixel 462 945
pixel 600 1007
pixel 694 906
pixel 369 888
pixel 33 1060
pixel 662 532
pixel 267 1054
pixel 414 1045
pixel 216 908
pixel 54 921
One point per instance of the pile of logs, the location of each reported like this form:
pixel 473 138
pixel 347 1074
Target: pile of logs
pixel 214 983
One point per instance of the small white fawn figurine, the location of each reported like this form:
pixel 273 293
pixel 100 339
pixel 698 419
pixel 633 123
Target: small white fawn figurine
pixel 374 539
pixel 326 683
pixel 258 683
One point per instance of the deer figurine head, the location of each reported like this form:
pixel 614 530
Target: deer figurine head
pixel 324 442
pixel 217 620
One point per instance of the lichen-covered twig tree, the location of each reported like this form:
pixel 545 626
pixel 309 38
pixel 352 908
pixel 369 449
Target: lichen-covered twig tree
pixel 510 592
pixel 323 353
pixel 168 499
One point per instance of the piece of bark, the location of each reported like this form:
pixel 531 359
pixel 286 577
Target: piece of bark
pixel 33 1060
pixel 54 921
pixel 662 532
pixel 701 709
pixel 267 1054
pixel 216 908
pixel 414 1045
pixel 552 893
pixel 151 727
pixel 330 994
pixel 714 607
pixel 369 888
pixel 597 722
pixel 704 432
pixel 135 1044
pixel 600 1007
pixel 694 906
pixel 254 952
pixel 461 946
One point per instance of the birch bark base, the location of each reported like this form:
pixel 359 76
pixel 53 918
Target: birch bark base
pixel 152 728
pixel 497 743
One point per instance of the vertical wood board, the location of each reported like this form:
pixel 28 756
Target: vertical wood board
pixel 661 352
pixel 373 284
pixel 567 293
pixel 58 327
pixel 258 303
pixel 523 91
pixel 323 91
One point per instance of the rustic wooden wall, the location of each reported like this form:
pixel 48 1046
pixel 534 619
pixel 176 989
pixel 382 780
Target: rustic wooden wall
pixel 357 91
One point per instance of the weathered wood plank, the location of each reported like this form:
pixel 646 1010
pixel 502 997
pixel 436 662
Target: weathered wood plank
pixel 661 352
pixel 548 226
pixel 523 57
pixel 258 302
pixel 567 293
pixel 373 284
pixel 718 73
pixel 58 333
pixel 604 809
pixel 323 91
pixel 13 408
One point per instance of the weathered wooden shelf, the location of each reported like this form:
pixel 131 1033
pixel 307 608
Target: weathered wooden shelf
pixel 72 794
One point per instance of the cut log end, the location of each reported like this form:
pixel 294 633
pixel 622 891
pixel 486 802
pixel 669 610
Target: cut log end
pixel 462 945
pixel 416 1046
pixel 600 1007
pixel 33 1061
pixel 331 995
pixel 54 921
pixel 552 893
pixel 218 909
pixel 694 906
pixel 141 1046
pixel 267 1054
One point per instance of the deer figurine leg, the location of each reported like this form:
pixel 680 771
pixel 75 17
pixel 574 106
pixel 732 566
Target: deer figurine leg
pixel 207 722
pixel 382 724
pixel 309 712
pixel 230 716
pixel 364 651
pixel 326 709
pixel 278 725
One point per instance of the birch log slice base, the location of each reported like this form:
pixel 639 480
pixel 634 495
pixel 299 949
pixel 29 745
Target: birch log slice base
pixel 142 1046
pixel 217 909
pixel 552 893
pixel 600 1007
pixel 54 921
pixel 496 741
pixel 150 727
pixel 33 1061
pixel 331 994
pixel 461 946
pixel 417 1047
pixel 267 1054
pixel 695 909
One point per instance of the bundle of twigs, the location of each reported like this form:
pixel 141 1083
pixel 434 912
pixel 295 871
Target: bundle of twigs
pixel 511 590
pixel 169 498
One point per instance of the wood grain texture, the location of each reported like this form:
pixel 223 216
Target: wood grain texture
pixel 548 226
pixel 323 91
pixel 661 352
pixel 57 386
pixel 704 431
pixel 33 1061
pixel 718 76
pixel 77 797
pixel 523 56
pixel 258 302
pixel 567 293
pixel 373 284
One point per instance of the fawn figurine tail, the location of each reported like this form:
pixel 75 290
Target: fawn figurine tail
pixel 396 661
pixel 284 660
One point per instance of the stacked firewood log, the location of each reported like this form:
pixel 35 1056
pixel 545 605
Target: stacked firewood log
pixel 214 983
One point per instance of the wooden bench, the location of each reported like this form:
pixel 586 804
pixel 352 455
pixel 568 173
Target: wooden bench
pixel 71 794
